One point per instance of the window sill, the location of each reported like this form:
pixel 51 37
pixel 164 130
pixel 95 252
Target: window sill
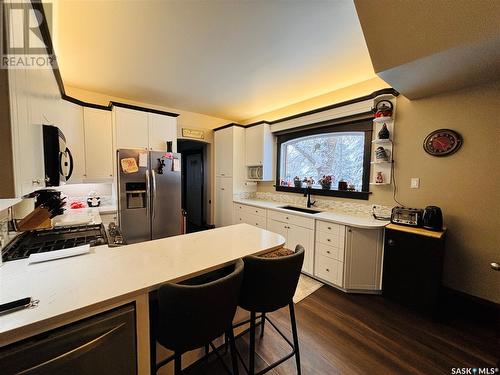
pixel 331 193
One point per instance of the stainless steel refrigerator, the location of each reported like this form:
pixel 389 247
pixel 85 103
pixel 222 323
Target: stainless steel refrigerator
pixel 149 194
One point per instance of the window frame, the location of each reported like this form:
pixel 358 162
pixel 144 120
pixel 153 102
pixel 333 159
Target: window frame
pixel 364 125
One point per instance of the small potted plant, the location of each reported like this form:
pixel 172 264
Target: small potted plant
pixel 326 182
pixel 297 182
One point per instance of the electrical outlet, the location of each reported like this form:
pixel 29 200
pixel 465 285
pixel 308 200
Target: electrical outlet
pixel 415 183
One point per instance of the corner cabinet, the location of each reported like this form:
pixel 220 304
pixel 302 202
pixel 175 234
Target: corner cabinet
pixel 363 259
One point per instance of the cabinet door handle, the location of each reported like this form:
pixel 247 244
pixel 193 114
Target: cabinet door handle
pixel 391 242
pixel 349 230
pixel 222 189
pixel 287 218
pixel 330 228
pixel 328 270
pixel 328 251
pixel 329 240
pixel 495 266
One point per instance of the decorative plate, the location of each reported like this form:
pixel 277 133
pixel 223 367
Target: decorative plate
pixel 442 142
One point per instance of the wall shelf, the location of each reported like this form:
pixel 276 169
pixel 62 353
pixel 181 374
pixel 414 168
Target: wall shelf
pixel 382 141
pixel 380 120
pixel 384 167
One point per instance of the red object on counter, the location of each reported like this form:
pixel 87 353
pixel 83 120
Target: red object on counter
pixel 75 205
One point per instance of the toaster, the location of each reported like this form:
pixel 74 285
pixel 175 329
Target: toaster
pixel 407 216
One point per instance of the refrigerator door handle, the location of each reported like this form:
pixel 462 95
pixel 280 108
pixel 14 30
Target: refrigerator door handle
pixel 153 201
pixel 148 189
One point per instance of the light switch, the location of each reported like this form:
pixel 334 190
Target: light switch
pixel 415 183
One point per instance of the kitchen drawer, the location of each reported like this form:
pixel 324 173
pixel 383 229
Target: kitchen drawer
pixel 329 269
pixel 333 252
pixel 292 219
pixel 250 209
pixel 255 220
pixel 330 239
pixel 327 227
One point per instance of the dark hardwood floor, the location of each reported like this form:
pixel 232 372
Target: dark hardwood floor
pixel 362 334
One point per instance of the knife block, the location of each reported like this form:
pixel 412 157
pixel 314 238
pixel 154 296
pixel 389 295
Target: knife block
pixel 39 218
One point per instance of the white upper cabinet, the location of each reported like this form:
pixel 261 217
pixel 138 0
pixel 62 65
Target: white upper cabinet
pixel 71 125
pixel 98 144
pixel 259 151
pixel 223 140
pixel 162 129
pixel 131 128
pixel 140 129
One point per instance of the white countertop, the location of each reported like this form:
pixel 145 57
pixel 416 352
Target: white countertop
pixel 359 221
pixel 66 285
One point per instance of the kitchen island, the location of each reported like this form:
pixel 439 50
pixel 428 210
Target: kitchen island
pixel 72 289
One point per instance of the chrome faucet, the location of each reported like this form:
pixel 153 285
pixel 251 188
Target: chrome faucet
pixel 307 193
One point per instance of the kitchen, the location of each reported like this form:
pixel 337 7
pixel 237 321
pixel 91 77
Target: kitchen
pixel 346 172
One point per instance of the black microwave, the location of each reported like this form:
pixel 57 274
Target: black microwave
pixel 58 159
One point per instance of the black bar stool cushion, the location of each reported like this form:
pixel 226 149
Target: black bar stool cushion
pixel 192 315
pixel 269 283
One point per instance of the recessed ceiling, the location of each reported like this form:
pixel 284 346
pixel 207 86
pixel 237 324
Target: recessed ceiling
pixel 230 59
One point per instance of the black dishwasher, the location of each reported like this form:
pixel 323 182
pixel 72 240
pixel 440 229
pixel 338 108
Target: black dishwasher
pixel 102 344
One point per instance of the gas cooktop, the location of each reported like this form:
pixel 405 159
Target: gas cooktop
pixel 43 240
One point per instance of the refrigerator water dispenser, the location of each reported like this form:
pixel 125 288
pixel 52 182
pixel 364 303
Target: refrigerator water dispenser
pixel 136 194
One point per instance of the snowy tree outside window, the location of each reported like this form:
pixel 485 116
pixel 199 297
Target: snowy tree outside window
pixel 338 154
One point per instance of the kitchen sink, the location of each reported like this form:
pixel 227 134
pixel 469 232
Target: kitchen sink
pixel 300 209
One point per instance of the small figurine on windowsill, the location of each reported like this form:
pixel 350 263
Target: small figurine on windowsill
pixel 309 181
pixel 296 182
pixel 379 179
pixel 326 182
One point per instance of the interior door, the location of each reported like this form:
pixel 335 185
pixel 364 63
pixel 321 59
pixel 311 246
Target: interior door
pixel 166 210
pixel 194 188
pixel 302 236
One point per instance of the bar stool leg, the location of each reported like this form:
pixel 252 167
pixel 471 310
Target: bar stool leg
pixel 262 322
pixel 295 336
pixel 251 364
pixel 177 364
pixel 232 344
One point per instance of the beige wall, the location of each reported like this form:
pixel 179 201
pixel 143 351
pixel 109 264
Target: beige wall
pixel 465 185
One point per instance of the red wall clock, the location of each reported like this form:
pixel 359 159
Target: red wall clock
pixel 442 142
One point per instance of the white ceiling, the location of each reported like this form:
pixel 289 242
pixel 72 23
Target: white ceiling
pixel 230 59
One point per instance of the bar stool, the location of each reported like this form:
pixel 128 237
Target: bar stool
pixel 268 285
pixel 194 313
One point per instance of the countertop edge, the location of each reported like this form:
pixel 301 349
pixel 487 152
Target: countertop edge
pixel 271 205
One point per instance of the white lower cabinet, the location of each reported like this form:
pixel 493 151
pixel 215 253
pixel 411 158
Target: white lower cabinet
pixel 329 249
pixel 363 259
pixel 251 215
pixel 295 234
pixel 347 257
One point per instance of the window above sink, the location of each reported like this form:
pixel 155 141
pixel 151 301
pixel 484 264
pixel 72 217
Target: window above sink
pixel 340 151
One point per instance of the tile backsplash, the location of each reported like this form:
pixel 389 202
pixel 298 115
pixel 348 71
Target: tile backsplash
pixel 323 204
pixel 81 192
